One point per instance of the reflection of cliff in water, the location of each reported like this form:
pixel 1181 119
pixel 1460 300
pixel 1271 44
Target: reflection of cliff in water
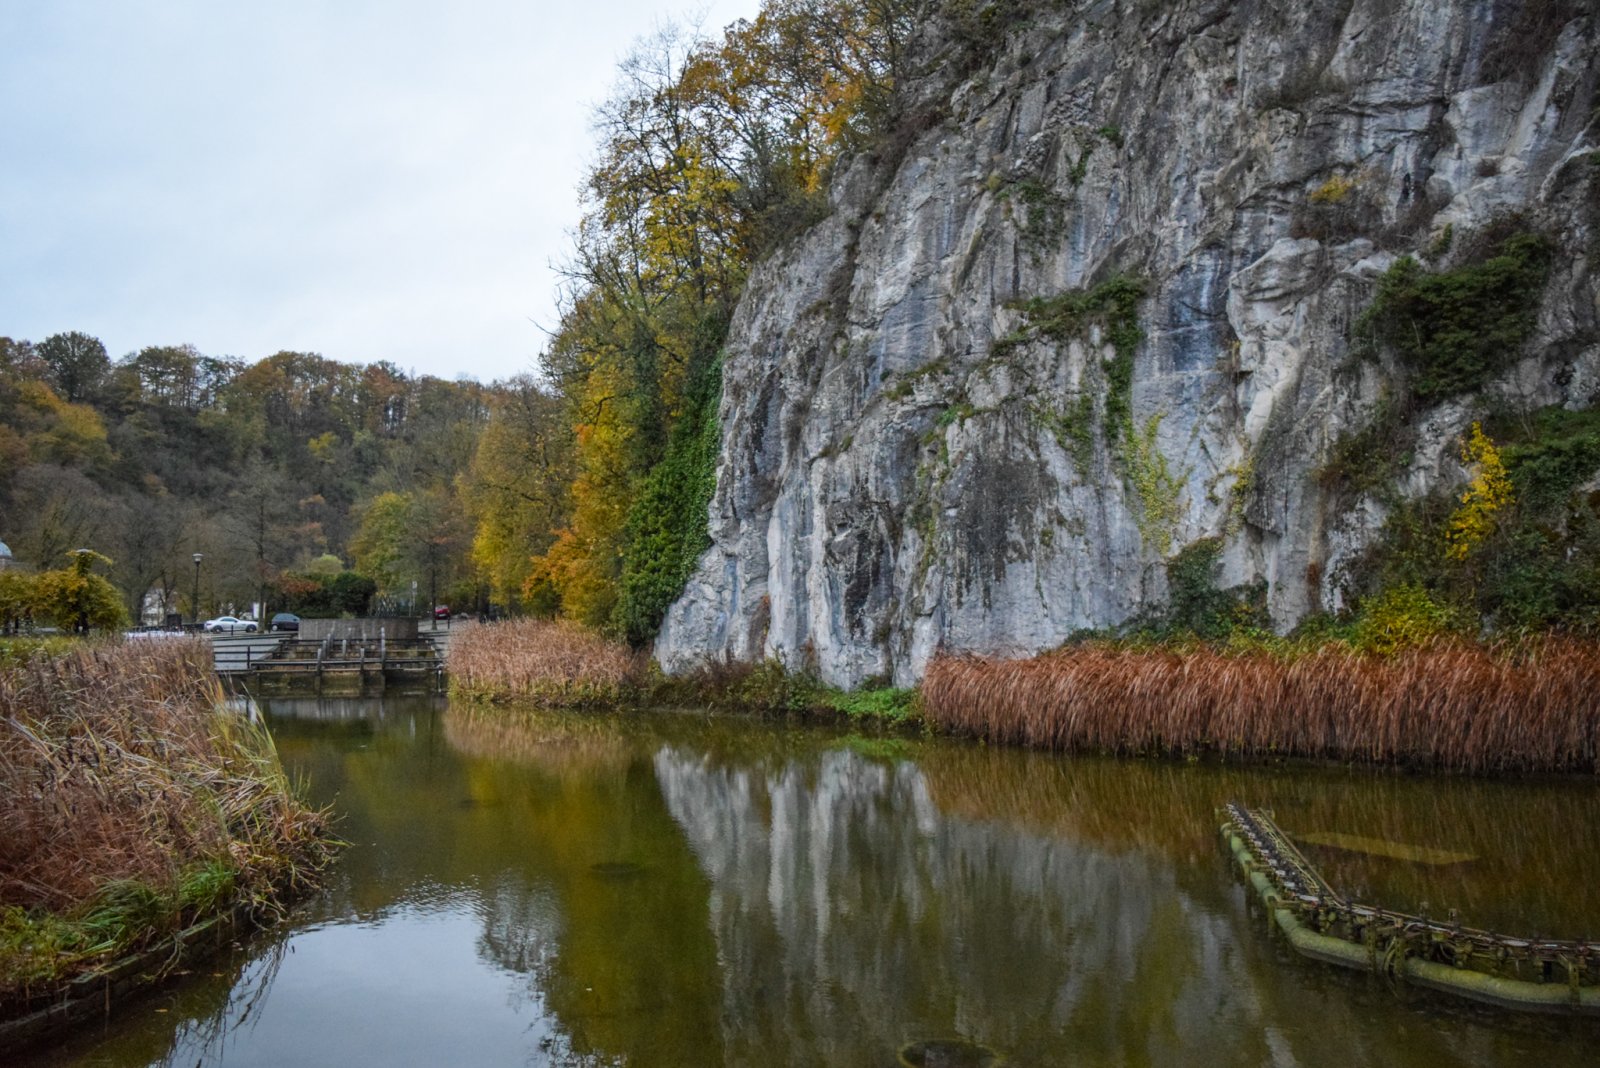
pixel 858 904
pixel 842 896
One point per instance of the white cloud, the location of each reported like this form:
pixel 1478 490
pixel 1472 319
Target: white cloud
pixel 368 180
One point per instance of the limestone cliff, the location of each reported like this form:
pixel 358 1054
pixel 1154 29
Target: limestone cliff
pixel 1098 301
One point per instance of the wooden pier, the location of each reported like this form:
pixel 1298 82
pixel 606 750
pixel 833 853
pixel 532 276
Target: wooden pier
pixel 286 665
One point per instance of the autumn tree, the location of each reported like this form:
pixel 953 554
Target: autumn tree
pixel 517 488
pixel 75 598
pixel 710 153
pixel 16 599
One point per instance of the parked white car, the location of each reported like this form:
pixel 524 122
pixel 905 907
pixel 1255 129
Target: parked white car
pixel 229 624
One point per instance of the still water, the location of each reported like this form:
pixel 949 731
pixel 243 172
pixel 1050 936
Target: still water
pixel 527 888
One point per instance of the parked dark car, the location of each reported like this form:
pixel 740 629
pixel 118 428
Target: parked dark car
pixel 285 621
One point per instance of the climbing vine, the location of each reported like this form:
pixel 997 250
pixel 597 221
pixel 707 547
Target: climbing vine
pixel 666 527
pixel 1113 307
pixel 1157 485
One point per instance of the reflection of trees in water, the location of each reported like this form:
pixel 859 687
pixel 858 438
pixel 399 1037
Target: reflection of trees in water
pixel 603 909
pixel 857 905
pixel 566 745
pixel 1537 845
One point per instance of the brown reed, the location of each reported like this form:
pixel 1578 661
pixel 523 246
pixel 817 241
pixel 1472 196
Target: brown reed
pixel 118 764
pixel 1455 706
pixel 551 662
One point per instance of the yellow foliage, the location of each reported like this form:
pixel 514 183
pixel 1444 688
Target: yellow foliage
pixel 1403 617
pixel 324 448
pixel 1486 496
pixel 1333 191
pixel 58 431
pixel 585 561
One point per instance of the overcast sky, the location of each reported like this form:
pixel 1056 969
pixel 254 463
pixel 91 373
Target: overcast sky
pixel 367 179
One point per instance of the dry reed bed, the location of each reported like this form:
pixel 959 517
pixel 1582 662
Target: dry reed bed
pixel 1454 706
pixel 548 662
pixel 117 769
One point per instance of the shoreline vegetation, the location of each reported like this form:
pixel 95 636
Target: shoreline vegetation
pixel 1441 703
pixel 136 810
pixel 562 664
pixel 1447 705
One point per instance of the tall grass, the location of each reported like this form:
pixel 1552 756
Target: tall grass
pixel 547 662
pixel 562 664
pixel 1455 706
pixel 131 802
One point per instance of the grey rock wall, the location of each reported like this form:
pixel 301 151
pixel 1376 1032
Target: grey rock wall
pixel 894 483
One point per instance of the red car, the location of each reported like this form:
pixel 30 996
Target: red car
pixel 441 611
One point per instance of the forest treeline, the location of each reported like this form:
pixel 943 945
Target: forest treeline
pixel 581 491
pixel 285 474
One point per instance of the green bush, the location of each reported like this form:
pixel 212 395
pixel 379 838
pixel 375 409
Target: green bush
pixel 1550 454
pixel 1540 567
pixel 1455 329
pixel 1403 617
pixel 886 704
pixel 1197 608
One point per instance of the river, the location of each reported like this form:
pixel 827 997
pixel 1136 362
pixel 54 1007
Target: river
pixel 676 889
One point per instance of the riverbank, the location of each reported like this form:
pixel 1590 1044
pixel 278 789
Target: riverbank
pixel 137 813
pixel 1444 703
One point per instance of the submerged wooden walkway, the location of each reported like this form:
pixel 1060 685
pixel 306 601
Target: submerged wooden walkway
pixel 1550 975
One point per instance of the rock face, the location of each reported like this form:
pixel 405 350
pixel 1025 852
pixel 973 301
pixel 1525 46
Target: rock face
pixel 914 462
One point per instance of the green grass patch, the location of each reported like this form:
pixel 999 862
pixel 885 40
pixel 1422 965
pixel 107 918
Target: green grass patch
pixel 39 948
pixel 886 704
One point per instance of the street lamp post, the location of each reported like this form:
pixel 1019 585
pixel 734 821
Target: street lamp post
pixel 196 602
